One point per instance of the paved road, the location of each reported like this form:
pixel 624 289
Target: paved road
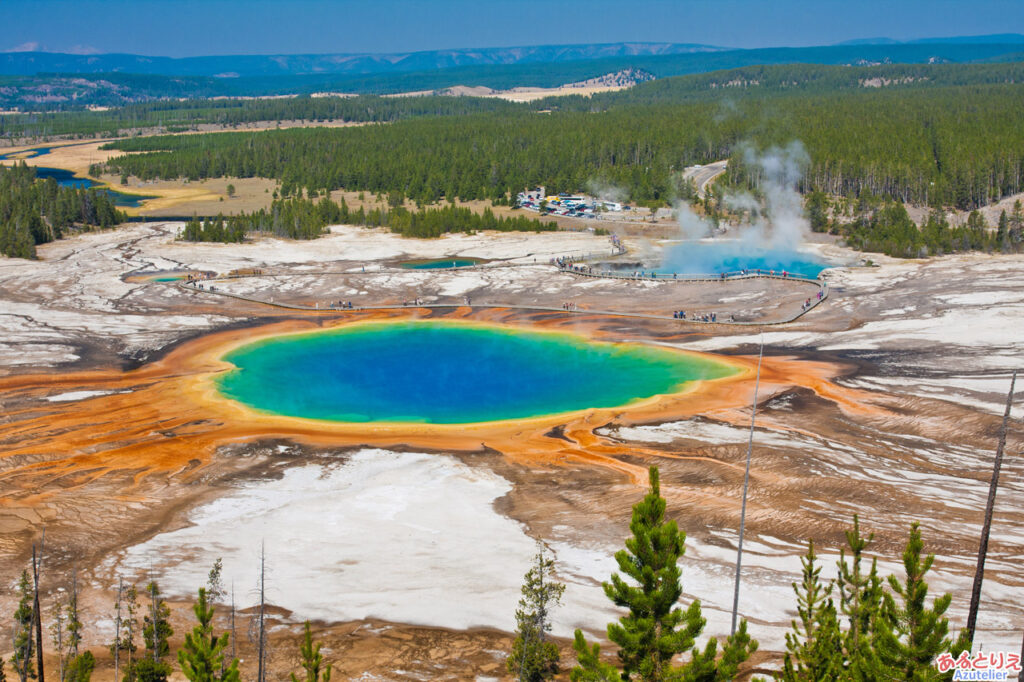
pixel 702 175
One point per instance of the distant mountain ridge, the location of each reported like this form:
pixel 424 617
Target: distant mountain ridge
pixel 234 66
pixel 995 38
pixel 495 69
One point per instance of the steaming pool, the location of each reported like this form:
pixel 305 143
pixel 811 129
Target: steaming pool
pixel 450 373
pixel 728 256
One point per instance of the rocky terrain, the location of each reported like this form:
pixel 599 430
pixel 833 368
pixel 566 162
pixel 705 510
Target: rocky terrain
pixel 407 546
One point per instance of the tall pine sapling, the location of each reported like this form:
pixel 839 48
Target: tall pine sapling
pixel 860 599
pixel 312 660
pixel 80 668
pixel 202 656
pixel 215 591
pixel 74 633
pixel 655 630
pixel 590 667
pixel 533 657
pixel 215 594
pixel 57 631
pixel 813 648
pixel 124 640
pixel 155 633
pixel 23 660
pixel 156 627
pixel 914 634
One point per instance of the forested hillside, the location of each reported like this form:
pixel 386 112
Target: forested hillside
pixel 38 211
pixel 175 115
pixel 959 146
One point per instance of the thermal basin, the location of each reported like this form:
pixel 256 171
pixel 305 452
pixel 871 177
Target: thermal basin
pixel 440 263
pixel 733 256
pixel 451 373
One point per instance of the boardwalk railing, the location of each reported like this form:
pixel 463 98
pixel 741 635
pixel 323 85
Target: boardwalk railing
pixel 206 287
pixel 587 271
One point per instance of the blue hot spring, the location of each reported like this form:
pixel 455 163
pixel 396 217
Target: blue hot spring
pixel 450 373
pixel 731 256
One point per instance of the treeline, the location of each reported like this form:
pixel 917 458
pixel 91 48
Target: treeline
pixel 763 80
pixel 203 657
pixel 298 218
pixel 176 116
pixel 886 227
pixel 950 146
pixel 36 211
pixel 957 146
pixel 293 218
pixel 859 626
pixel 433 222
pixel 165 104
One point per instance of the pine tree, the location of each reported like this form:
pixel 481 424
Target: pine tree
pixel 533 657
pixel 156 629
pixel 57 630
pixel 202 655
pixel 860 598
pixel 74 625
pixel 1017 222
pixel 80 667
pixel 813 649
pixel 655 629
pixel 155 633
pixel 913 634
pixel 215 591
pixel 126 642
pixel 312 659
pixel 1003 232
pixel 22 660
pixel 148 670
pixel 708 666
pixel 590 667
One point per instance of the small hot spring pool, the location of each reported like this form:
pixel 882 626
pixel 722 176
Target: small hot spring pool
pixel 728 256
pixel 161 276
pixel 450 373
pixel 441 263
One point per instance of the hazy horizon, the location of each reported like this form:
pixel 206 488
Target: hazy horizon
pixel 261 27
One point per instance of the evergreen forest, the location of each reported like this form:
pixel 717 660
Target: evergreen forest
pixel 956 146
pixel 36 211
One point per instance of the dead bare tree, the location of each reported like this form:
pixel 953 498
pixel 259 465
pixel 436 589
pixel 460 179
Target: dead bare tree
pixel 986 529
pixel 37 615
pixel 234 637
pixel 746 484
pixel 257 626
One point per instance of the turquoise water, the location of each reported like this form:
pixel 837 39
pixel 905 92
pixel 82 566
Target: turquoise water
pixel 26 153
pixel 66 178
pixel 733 256
pixel 449 373
pixel 439 263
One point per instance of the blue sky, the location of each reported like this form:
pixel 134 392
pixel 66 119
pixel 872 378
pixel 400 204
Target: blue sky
pixel 181 28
